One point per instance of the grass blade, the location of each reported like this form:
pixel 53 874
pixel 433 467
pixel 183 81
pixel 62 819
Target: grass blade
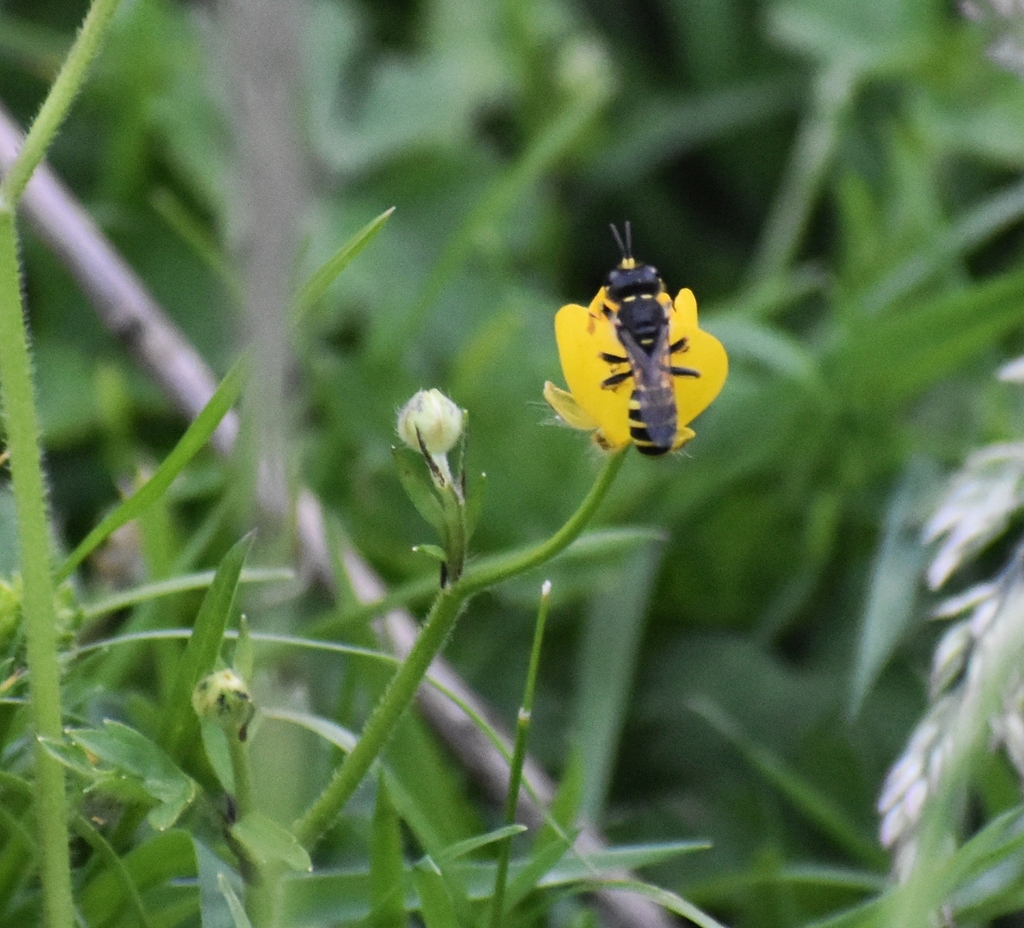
pixel 196 435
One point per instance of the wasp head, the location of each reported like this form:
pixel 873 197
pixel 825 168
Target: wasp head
pixel 631 277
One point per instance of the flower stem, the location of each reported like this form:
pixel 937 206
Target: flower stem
pixel 400 692
pixel 21 425
pixel 498 569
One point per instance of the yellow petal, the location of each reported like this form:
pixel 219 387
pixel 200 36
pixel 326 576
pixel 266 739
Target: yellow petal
pixel 582 335
pixel 704 353
pixel 567 408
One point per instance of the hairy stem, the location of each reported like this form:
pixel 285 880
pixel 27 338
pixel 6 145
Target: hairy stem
pixel 443 614
pixel 21 425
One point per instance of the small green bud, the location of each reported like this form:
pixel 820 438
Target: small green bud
pixel 224 698
pixel 432 419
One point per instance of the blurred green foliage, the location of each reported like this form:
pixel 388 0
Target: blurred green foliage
pixel 839 183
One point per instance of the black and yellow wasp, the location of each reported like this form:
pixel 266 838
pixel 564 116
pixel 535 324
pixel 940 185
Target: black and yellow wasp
pixel 619 356
pixel 638 307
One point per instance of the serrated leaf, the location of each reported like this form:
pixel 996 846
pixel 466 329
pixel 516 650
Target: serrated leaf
pixel 267 842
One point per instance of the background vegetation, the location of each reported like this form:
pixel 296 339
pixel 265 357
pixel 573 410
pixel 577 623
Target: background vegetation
pixel 840 185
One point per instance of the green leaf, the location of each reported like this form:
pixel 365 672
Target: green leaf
pixel 154 861
pixel 565 807
pixel 818 807
pixel 573 867
pixel 267 842
pixel 895 578
pixel 129 753
pixel 235 906
pixel 325 728
pixel 386 863
pixel 435 902
pixel 528 877
pixel 204 645
pixel 181 584
pixel 890 358
pixel 419 488
pixel 431 551
pixel 195 437
pixel 218 753
pixel 317 285
pixel 667 900
pixel 470 845
pixel 211 873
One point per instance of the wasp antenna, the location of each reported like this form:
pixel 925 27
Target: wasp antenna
pixel 627 251
pixel 629 239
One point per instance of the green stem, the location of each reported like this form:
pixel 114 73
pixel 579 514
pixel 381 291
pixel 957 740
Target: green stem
pixel 58 101
pixel 443 614
pixel 16 393
pixel 22 428
pixel 400 692
pixel 515 772
pixel 261 893
pixel 241 768
pixel 495 570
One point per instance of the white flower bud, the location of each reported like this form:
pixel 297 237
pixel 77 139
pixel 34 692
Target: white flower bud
pixel 432 418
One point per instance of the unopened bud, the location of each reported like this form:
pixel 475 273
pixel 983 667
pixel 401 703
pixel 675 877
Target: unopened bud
pixel 224 697
pixel 432 419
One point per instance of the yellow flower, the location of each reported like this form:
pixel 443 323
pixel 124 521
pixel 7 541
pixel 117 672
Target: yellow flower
pixel 586 335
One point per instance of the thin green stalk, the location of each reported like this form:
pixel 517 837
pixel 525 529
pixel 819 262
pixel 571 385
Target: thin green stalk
pixel 58 101
pixel 22 428
pixel 496 570
pixel 515 773
pixel 400 692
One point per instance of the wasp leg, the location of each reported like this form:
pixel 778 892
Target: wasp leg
pixel 681 345
pixel 613 358
pixel 683 372
pixel 616 379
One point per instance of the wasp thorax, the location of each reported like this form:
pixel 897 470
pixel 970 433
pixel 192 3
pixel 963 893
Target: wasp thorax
pixel 625 282
pixel 430 421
